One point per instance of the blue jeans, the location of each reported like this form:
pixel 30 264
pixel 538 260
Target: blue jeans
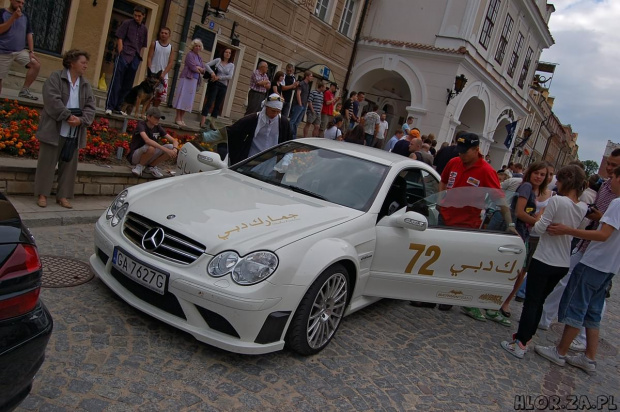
pixel 583 298
pixel 122 81
pixel 297 114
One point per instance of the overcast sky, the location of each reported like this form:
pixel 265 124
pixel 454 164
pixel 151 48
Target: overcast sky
pixel 586 84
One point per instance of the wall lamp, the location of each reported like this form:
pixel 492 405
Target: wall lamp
pixel 459 84
pixel 215 7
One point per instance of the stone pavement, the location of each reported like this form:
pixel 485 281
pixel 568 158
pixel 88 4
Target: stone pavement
pixel 106 356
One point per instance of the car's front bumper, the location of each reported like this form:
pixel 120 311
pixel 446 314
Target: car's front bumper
pixel 242 319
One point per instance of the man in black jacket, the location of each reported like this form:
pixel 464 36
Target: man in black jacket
pixel 257 132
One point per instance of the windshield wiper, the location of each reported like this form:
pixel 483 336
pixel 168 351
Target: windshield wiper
pixel 305 191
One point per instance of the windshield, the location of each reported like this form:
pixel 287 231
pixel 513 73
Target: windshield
pixel 324 174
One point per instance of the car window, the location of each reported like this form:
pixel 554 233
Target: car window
pixel 325 174
pixel 408 188
pixel 468 208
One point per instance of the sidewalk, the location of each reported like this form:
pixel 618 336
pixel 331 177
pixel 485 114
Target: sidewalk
pixel 86 209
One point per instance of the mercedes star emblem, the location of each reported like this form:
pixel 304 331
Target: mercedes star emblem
pixel 153 238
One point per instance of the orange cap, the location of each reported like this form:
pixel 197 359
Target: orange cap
pixel 414 133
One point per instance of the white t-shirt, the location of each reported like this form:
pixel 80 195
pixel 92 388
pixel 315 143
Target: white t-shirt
pixel 383 126
pixel 604 256
pixel 555 250
pixel 332 133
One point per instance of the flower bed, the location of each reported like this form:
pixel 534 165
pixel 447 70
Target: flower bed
pixel 18 127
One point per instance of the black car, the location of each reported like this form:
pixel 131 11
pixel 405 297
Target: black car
pixel 25 323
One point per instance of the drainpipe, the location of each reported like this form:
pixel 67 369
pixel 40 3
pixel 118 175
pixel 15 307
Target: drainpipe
pixel 164 15
pixel 358 33
pixel 177 65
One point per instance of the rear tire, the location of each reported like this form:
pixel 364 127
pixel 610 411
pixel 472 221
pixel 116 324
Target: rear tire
pixel 320 312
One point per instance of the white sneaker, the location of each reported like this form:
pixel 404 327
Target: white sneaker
pixel 577 346
pixel 514 349
pixel 582 362
pixel 550 353
pixel 155 172
pixel 123 113
pixel 137 170
pixel 108 112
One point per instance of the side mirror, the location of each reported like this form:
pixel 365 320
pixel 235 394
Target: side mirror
pixel 212 159
pixel 410 220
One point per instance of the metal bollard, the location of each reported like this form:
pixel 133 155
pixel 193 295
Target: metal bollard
pixel 119 153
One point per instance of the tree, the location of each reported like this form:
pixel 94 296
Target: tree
pixel 591 167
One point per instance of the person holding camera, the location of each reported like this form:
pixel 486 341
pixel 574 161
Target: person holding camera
pixel 68 108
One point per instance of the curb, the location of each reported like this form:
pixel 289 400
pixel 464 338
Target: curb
pixel 44 219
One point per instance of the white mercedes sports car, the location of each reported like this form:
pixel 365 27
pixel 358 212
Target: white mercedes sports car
pixel 277 249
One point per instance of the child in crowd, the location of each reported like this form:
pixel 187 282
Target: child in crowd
pixel 550 262
pixel 524 210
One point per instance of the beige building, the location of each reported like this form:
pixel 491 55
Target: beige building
pixel 315 34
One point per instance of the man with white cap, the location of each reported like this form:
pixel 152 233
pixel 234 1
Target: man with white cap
pixel 257 132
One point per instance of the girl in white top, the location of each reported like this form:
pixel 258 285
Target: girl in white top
pixel 333 129
pixel 551 260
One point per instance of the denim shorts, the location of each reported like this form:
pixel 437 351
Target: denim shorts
pixel 583 298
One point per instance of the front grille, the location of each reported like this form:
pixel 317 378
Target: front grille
pixel 175 247
pixel 168 302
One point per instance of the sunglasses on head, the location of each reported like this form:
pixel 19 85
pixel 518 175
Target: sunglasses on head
pixel 275 99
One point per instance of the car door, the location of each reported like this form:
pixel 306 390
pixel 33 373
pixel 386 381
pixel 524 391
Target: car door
pixel 443 264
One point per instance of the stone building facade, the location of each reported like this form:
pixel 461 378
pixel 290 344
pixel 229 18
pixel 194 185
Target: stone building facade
pixel 411 52
pixel 317 33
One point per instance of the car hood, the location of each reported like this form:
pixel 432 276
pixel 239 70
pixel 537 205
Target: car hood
pixel 224 210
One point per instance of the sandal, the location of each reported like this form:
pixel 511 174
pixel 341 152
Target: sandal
pixel 42 202
pixel 496 316
pixel 504 313
pixel 474 313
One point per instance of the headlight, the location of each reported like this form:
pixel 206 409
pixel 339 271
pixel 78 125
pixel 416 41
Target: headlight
pixel 119 215
pixel 248 270
pixel 222 264
pixel 116 204
pixel 254 268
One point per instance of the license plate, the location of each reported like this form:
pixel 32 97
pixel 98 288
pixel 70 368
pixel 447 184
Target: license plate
pixel 139 272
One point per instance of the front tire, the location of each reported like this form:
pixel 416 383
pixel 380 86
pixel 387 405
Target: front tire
pixel 320 312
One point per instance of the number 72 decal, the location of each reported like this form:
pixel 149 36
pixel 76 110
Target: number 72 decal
pixel 433 252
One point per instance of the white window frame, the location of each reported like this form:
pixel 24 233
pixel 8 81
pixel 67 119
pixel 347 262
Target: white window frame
pixel 329 10
pixel 355 17
pixel 348 9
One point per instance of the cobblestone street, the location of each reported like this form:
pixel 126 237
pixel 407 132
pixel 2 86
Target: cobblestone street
pixel 106 356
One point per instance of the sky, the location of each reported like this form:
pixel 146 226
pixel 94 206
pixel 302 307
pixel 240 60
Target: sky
pixel 586 84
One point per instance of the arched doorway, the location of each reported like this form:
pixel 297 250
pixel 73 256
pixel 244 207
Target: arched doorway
pixel 497 150
pixel 472 118
pixel 389 91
